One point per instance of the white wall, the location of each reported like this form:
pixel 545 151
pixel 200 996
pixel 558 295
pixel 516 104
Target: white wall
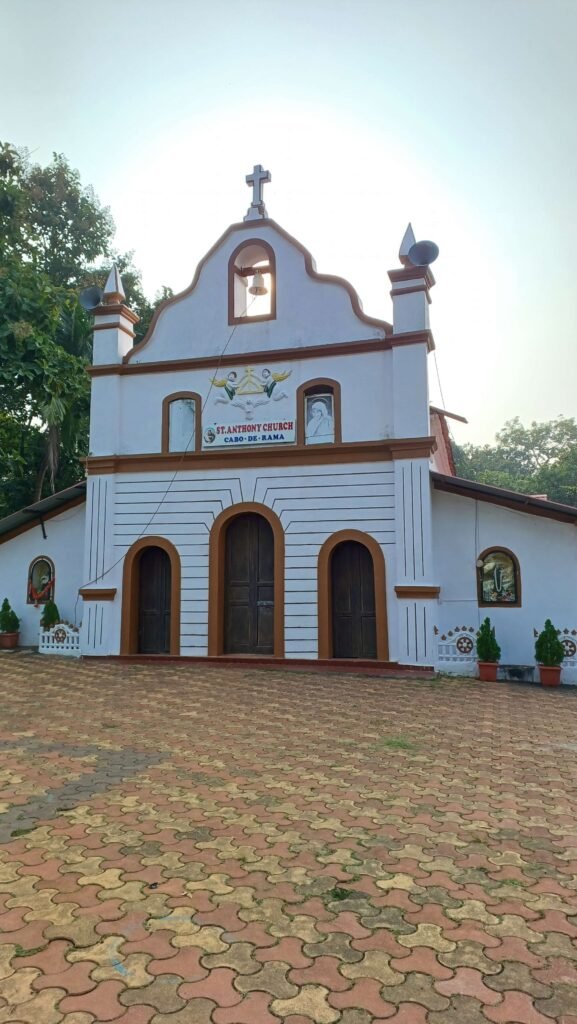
pixel 133 425
pixel 547 553
pixel 308 311
pixel 383 395
pixel 64 543
pixel 311 507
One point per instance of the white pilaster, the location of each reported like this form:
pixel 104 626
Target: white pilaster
pixel 100 633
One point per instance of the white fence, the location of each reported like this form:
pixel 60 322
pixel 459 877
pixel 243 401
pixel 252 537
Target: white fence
pixel 60 639
pixel 457 647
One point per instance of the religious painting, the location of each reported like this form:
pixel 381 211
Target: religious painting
pixel 498 578
pixel 319 419
pixel 41 581
pixel 182 425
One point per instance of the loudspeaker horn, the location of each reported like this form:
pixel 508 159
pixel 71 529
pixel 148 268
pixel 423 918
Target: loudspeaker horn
pixel 90 298
pixel 421 254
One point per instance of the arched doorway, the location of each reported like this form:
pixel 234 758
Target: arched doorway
pixel 249 586
pixel 151 598
pixel 352 598
pixel 354 626
pixel 154 582
pixel 246 582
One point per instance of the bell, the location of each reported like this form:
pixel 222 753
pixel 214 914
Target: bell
pixel 258 286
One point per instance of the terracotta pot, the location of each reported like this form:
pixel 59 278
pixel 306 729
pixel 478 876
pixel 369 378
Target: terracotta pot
pixel 488 671
pixel 9 640
pixel 550 675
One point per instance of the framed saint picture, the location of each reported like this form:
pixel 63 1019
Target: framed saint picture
pixel 319 419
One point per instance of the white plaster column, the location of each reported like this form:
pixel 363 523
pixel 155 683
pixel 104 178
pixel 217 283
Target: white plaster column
pixel 100 633
pixel 113 324
pixel 412 339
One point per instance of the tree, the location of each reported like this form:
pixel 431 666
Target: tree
pixel 538 459
pixel 55 238
pixel 44 390
pixel 48 218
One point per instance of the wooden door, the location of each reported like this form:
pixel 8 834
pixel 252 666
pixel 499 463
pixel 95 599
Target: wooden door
pixel 154 602
pixel 353 602
pixel 249 586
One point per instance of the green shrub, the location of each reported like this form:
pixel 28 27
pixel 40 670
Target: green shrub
pixel 487 647
pixel 50 615
pixel 9 621
pixel 548 648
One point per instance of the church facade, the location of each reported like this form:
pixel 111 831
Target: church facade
pixel 267 479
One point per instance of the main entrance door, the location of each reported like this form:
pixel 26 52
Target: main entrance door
pixel 249 586
pixel 353 601
pixel 154 571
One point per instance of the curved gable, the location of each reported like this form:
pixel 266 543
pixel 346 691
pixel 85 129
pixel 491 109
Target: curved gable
pixel 311 308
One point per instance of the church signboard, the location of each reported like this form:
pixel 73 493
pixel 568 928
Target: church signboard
pixel 249 407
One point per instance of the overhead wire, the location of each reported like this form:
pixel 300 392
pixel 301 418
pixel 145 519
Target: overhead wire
pixel 100 576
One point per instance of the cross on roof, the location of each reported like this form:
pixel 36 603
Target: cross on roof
pixel 257 179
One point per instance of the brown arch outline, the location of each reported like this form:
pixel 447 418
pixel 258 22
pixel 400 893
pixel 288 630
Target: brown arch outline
pixel 517 572
pixel 232 319
pixel 216 575
pixel 386 327
pixel 310 385
pixel 130 582
pixel 165 437
pixel 325 590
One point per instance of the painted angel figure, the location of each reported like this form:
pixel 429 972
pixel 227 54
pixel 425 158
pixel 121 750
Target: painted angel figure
pixel 270 380
pixel 229 383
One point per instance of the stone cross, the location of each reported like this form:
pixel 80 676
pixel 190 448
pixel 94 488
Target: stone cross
pixel 257 179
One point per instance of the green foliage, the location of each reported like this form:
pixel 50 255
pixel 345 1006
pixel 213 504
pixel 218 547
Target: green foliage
pixel 548 648
pixel 55 238
pixel 48 218
pixel 50 615
pixel 487 647
pixel 539 459
pixel 398 743
pixel 339 893
pixel 52 230
pixel 44 389
pixel 9 621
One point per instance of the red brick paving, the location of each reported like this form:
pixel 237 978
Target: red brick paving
pixel 275 846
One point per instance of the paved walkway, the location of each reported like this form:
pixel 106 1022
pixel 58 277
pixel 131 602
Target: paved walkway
pixel 192 845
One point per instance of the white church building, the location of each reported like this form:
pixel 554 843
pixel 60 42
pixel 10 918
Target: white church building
pixel 266 478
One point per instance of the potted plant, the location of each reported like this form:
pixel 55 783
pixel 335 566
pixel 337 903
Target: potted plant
pixel 50 615
pixel 9 626
pixel 488 652
pixel 549 653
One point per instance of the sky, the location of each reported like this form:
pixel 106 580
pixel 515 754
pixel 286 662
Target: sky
pixel 456 115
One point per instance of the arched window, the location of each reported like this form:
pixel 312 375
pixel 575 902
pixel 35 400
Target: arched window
pixel 181 426
pixel 251 282
pixel 41 581
pixel 319 412
pixel 498 578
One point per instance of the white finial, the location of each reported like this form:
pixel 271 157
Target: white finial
pixel 408 240
pixel 257 179
pixel 113 290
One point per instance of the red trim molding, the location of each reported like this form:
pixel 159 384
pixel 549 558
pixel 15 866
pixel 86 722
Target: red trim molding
pixel 269 455
pixel 281 355
pixel 416 591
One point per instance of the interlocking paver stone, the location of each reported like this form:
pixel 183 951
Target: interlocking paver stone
pixel 273 856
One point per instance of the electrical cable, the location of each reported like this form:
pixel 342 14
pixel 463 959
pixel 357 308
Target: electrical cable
pixel 439 379
pixel 100 576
